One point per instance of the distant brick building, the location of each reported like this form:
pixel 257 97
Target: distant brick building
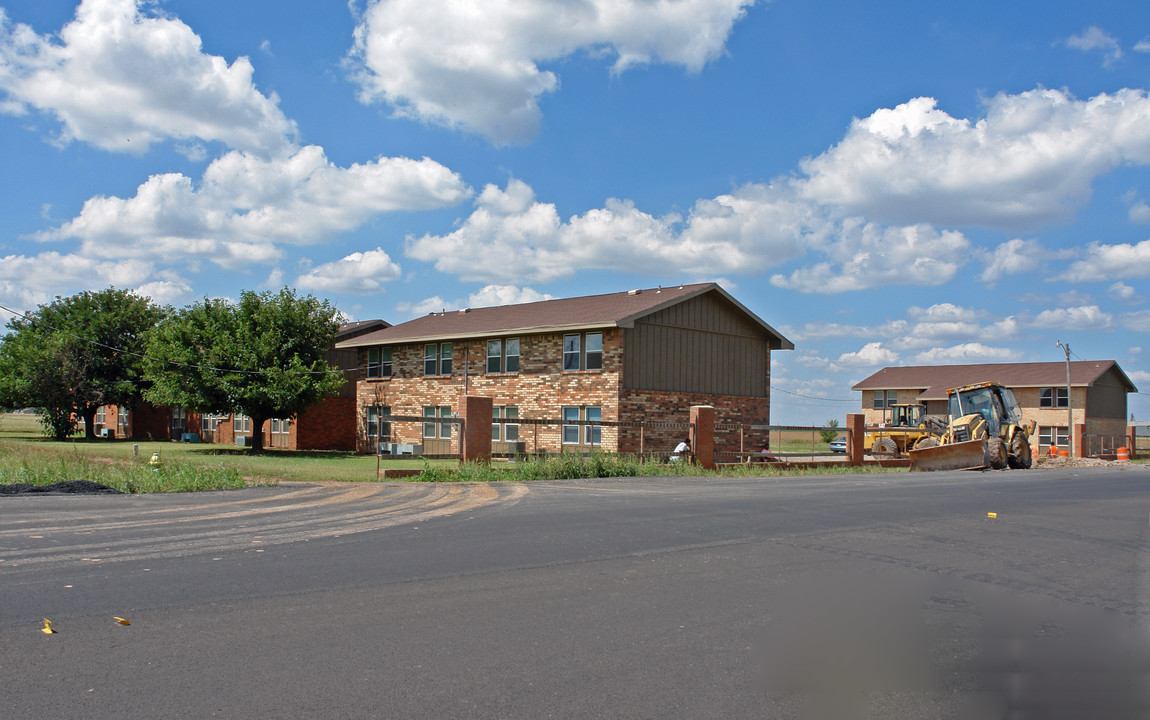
pixel 1097 399
pixel 328 425
pixel 629 357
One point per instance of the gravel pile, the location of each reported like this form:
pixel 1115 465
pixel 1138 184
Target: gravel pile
pixel 71 487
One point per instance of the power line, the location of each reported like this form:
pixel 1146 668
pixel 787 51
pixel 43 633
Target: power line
pixel 812 397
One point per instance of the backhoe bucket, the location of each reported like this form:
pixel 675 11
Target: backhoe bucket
pixel 969 455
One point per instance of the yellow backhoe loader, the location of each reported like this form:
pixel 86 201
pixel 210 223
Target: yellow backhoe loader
pixel 985 430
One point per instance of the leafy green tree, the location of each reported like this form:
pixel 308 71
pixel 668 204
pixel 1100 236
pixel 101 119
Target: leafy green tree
pixel 263 356
pixel 829 435
pixel 75 354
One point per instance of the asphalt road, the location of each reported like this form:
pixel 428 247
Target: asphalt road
pixel 856 596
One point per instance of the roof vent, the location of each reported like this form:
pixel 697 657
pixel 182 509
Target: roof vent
pixel 464 311
pixel 634 292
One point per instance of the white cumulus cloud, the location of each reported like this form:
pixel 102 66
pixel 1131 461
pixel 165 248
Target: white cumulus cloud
pixel 965 353
pixel 1086 317
pixel 1095 38
pixel 493 295
pixel 1010 258
pixel 511 236
pixel 1109 262
pixel 868 255
pixel 361 273
pixel 870 355
pixel 246 205
pixel 477 66
pixel 1029 162
pixel 122 79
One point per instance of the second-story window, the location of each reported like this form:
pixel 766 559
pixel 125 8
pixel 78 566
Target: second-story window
pixel 1053 397
pixel 583 352
pixel 503 355
pixel 379 362
pixel 437 359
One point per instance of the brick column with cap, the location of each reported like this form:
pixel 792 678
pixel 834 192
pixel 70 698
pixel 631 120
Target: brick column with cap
pixel 855 451
pixel 475 439
pixel 703 435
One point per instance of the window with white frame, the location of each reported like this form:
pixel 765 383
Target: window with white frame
pixel 437 358
pixel 209 422
pixel 504 431
pixel 281 426
pixel 503 355
pixel 179 422
pixel 590 434
pixel 583 351
pixel 1053 398
pixel 1056 436
pixel 375 427
pixel 379 362
pixel 241 423
pixel 100 415
pixel 441 430
pixel 883 399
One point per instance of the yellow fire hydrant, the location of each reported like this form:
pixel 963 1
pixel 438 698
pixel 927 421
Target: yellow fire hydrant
pixel 155 463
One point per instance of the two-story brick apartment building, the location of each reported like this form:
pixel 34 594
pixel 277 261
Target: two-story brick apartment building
pixel 1097 398
pixel 627 357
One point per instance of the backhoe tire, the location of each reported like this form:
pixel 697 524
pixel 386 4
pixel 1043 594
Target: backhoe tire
pixel 1020 458
pixel 996 453
pixel 884 448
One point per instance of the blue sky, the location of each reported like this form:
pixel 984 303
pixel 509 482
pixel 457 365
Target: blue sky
pixel 885 182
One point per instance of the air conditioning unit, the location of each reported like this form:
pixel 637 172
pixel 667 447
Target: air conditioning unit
pixel 109 433
pixel 242 440
pixel 190 438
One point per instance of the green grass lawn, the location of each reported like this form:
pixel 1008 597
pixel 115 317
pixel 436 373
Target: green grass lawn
pixel 23 434
pixel 27 455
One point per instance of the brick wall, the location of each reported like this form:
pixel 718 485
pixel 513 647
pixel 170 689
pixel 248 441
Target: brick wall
pixel 665 407
pixel 327 425
pixel 540 390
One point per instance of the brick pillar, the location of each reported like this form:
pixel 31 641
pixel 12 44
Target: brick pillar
pixel 475 439
pixel 1078 442
pixel 703 435
pixel 855 451
pixel 1131 440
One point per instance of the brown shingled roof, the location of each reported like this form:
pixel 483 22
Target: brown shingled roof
pixel 593 311
pixel 935 380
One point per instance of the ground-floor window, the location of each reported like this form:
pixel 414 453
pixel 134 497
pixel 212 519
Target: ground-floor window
pixel 440 430
pixel 281 426
pixel 241 423
pixel 590 434
pixel 209 422
pixel 179 422
pixel 375 428
pixel 1056 436
pixel 504 432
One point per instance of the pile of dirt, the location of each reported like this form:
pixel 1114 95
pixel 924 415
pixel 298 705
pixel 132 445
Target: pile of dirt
pixel 70 487
pixel 1074 462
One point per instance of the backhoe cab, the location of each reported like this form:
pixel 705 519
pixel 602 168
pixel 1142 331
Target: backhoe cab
pixel 985 430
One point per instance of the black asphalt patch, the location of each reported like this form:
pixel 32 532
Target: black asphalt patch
pixel 67 487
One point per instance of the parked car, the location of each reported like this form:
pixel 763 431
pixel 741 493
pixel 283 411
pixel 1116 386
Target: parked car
pixel 839 444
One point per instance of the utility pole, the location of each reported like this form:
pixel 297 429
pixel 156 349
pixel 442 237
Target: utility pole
pixel 1069 410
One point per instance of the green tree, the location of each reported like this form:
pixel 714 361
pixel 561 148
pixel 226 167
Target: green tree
pixel 829 435
pixel 75 354
pixel 263 356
